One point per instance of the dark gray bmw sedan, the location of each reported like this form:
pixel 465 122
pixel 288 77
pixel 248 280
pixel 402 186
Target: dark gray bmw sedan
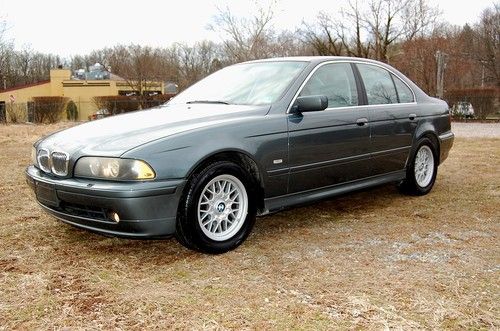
pixel 250 139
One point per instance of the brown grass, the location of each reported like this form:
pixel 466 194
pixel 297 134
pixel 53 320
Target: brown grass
pixel 373 259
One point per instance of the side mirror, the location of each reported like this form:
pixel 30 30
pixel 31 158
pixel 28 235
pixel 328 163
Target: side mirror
pixel 310 103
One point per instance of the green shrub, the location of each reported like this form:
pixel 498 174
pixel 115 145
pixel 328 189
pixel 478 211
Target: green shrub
pixel 71 111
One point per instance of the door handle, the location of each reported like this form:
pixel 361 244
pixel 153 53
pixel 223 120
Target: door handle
pixel 412 117
pixel 362 121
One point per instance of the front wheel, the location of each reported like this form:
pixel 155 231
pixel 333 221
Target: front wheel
pixel 422 169
pixel 218 209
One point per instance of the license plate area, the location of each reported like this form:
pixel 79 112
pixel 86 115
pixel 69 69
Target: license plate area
pixel 46 194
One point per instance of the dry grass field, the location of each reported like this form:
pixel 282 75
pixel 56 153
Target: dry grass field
pixel 371 260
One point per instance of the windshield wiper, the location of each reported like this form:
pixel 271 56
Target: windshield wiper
pixel 209 101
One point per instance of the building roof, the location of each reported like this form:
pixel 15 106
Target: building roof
pixel 19 87
pixel 113 76
pixel 46 81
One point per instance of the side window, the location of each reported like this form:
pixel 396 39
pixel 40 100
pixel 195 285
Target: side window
pixel 335 81
pixel 379 86
pixel 404 92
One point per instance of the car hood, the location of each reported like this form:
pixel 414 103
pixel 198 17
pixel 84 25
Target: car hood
pixel 113 136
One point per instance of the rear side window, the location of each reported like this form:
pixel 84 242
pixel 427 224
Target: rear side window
pixel 379 85
pixel 335 81
pixel 404 92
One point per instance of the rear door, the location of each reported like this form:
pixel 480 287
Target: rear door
pixel 392 116
pixel 331 146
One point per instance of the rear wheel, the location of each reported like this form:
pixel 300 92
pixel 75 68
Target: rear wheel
pixel 218 209
pixel 422 169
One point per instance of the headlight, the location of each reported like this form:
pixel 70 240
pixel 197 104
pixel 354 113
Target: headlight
pixel 113 168
pixel 33 156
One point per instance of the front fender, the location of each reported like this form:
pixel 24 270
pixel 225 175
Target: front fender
pixel 263 139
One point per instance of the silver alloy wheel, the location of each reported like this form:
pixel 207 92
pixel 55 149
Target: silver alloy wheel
pixel 424 166
pixel 222 207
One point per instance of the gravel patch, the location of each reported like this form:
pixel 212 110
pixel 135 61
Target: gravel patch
pixel 476 130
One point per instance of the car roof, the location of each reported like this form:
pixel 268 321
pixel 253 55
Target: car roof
pixel 317 59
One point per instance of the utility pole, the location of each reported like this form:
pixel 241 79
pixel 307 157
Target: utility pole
pixel 441 59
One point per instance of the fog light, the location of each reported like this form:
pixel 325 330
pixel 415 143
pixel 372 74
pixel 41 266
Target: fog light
pixel 114 216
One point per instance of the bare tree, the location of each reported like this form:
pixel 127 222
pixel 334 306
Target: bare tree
pixel 138 65
pixel 6 51
pixel 42 63
pixel 324 36
pixel 381 23
pixel 419 18
pixel 245 38
pixel 487 34
pixel 22 64
pixel 286 43
pixel 369 30
pixel 390 21
pixel 26 66
pixel 354 18
pixel 196 62
pixel 104 56
pixel 78 62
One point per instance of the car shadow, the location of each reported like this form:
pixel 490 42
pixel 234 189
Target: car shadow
pixel 166 251
pixel 356 203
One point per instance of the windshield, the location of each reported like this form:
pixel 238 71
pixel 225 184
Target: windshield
pixel 256 83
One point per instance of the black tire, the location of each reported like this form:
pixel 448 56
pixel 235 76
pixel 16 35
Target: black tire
pixel 189 231
pixel 411 184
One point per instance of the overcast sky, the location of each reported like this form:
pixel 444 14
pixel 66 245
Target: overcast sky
pixel 77 27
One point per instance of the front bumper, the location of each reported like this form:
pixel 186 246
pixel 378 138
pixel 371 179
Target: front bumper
pixel 146 209
pixel 445 144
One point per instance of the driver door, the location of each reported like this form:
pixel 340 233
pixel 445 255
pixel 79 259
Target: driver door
pixel 332 146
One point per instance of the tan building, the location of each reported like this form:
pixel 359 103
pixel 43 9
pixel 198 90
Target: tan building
pixel 80 89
